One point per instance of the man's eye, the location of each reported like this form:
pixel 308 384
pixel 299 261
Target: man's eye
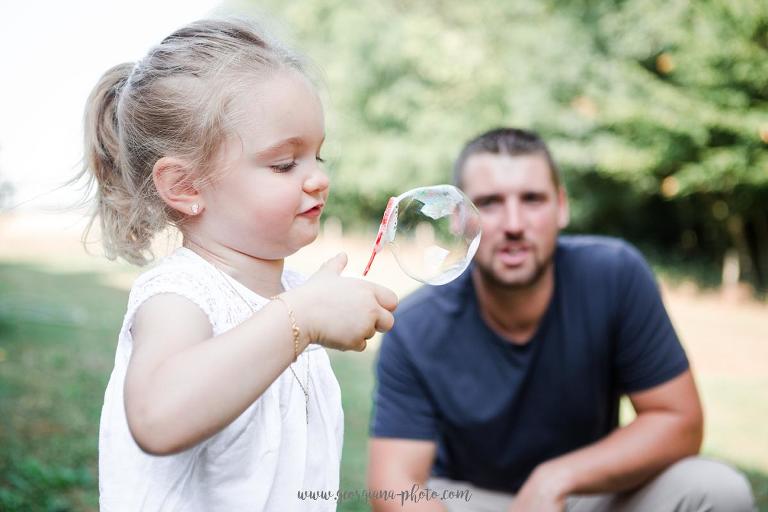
pixel 484 203
pixel 534 198
pixel 283 167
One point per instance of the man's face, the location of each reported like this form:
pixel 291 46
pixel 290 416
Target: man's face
pixel 522 212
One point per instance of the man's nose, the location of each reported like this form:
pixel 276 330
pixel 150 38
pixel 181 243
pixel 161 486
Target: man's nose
pixel 514 221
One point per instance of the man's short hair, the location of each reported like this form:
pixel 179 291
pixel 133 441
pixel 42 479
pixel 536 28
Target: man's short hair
pixel 505 141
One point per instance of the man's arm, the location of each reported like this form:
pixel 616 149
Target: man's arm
pixel 668 427
pixel 397 465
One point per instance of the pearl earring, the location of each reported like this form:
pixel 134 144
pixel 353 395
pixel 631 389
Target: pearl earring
pixel 195 208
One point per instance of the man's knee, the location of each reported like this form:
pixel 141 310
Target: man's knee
pixel 710 485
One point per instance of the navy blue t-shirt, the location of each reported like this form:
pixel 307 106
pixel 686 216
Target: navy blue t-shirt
pixel 497 409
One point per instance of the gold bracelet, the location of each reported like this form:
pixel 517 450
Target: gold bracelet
pixel 294 327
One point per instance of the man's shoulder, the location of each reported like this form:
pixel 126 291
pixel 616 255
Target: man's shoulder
pixel 429 311
pixel 445 299
pixel 595 252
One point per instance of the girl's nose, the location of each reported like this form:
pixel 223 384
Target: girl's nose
pixel 316 181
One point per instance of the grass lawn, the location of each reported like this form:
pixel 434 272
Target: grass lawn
pixel 58 330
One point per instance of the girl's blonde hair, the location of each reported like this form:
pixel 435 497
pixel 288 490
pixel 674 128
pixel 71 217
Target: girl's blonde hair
pixel 174 102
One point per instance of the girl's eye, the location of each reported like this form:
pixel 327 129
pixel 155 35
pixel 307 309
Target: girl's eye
pixel 283 167
pixel 320 159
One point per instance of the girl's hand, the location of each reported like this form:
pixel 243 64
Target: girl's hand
pixel 341 312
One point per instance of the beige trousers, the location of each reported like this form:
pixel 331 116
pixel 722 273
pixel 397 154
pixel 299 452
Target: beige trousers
pixel 694 484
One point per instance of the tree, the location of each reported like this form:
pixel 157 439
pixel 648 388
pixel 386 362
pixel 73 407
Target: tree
pixel 410 82
pixel 680 114
pixel 656 110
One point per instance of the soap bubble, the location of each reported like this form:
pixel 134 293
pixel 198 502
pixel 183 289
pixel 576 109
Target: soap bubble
pixel 432 231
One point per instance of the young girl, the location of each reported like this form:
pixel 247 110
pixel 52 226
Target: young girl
pixel 222 397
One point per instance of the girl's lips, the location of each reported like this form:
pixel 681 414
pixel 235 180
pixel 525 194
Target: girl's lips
pixel 313 212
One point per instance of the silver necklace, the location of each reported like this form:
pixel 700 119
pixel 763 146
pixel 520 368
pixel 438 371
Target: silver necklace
pixel 304 389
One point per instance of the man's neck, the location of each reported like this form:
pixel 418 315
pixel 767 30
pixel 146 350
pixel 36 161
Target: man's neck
pixel 514 313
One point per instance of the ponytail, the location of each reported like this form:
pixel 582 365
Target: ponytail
pixel 102 141
pixel 126 227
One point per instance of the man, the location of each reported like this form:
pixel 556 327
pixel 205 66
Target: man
pixel 507 381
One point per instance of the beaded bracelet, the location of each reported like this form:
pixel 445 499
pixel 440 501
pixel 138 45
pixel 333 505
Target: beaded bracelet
pixel 294 327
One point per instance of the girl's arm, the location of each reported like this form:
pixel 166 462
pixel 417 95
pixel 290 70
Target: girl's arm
pixel 184 385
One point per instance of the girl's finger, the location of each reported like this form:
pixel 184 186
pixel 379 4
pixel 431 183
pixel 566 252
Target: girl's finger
pixel 385 321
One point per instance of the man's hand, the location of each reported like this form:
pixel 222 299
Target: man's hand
pixel 400 464
pixel 667 428
pixel 544 491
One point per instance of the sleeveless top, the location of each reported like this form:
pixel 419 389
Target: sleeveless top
pixel 258 462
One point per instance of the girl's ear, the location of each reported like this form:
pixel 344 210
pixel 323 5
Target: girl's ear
pixel 173 181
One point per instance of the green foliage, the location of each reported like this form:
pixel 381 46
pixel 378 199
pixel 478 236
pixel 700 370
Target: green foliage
pixel 409 83
pixel 57 338
pixel 656 110
pixel 680 115
pixel 34 485
pixel 685 84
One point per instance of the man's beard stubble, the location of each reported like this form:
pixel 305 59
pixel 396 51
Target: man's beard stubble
pixel 492 280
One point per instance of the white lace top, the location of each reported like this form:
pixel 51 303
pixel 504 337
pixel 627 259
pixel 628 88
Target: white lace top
pixel 263 458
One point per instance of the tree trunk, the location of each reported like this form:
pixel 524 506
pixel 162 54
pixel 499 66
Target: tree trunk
pixel 737 264
pixel 760 222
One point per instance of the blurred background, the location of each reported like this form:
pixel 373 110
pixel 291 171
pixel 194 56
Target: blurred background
pixel 657 112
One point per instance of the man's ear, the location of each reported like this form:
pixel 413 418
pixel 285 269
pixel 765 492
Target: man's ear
pixel 564 210
pixel 173 181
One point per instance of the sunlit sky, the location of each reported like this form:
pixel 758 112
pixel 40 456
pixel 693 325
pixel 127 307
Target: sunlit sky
pixel 51 55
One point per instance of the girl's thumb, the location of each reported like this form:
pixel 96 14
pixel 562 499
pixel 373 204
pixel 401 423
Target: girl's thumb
pixel 335 264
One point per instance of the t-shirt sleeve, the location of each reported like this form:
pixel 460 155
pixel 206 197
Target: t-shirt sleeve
pixel 401 405
pixel 183 282
pixel 648 351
